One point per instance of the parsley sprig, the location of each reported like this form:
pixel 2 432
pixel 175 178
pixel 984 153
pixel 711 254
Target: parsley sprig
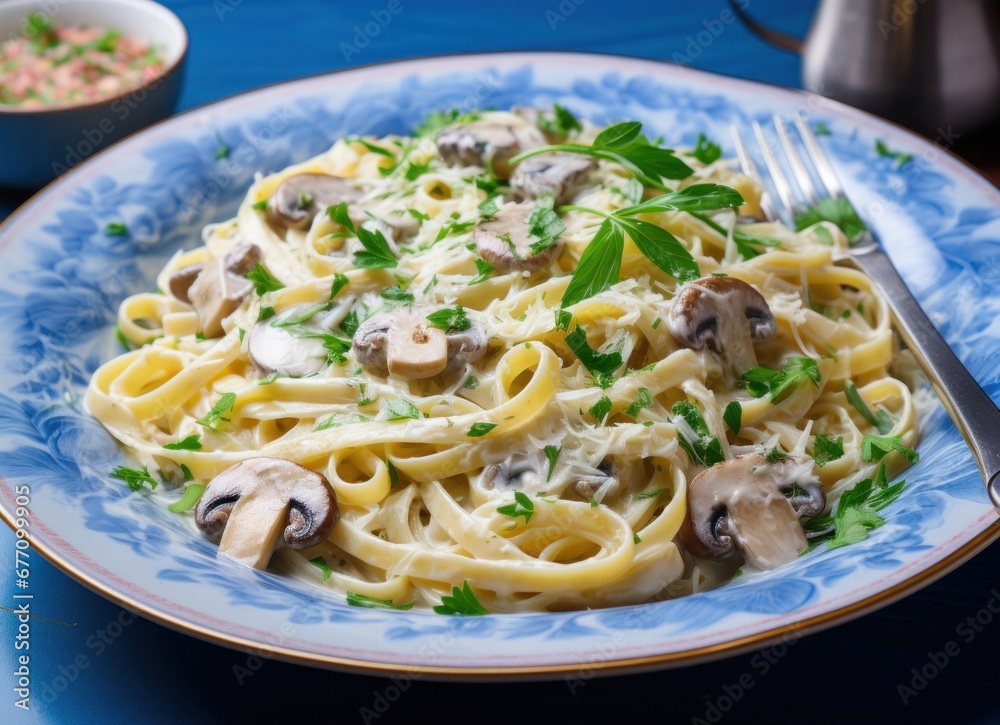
pixel 360 600
pixel 782 383
pixel 880 419
pixel 463 601
pixel 522 506
pixel 215 415
pixel 704 448
pixel 134 478
pixel 857 510
pixel 450 318
pixel 601 365
pixel 625 145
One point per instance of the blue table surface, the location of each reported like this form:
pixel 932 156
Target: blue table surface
pixel 93 662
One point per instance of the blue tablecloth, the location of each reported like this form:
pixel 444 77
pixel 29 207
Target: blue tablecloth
pixel 93 662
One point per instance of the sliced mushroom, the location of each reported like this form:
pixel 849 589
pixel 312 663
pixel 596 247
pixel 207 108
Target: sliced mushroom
pixel 490 144
pixel 404 343
pixel 248 506
pixel 299 198
pixel 519 472
pixel 504 240
pixel 724 315
pixel 221 287
pixel 742 504
pixel 182 279
pixel 607 478
pixel 559 174
pixel 274 348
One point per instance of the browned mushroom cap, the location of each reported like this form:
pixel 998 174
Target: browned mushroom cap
pixel 248 506
pixel 299 198
pixel 221 286
pixel 403 342
pixel 487 144
pixel 559 174
pixel 607 478
pixel 182 279
pixel 504 240
pixel 724 315
pixel 274 348
pixel 742 504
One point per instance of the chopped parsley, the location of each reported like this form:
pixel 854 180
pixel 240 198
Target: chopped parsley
pixel 733 416
pixel 396 294
pixel 390 467
pixel 782 383
pixel 339 282
pixel 490 207
pixel 223 150
pixel 600 410
pixel 775 455
pixel 187 501
pixel 485 269
pixel 827 449
pixel 552 454
pixel 320 563
pixel 645 400
pixel 116 229
pixel 522 506
pixel 401 409
pixel 706 151
pixel 561 122
pixel 649 494
pixel 134 478
pixel 879 419
pixel 599 364
pixel 191 443
pixel 839 211
pixel 377 253
pixel 450 318
pixel 704 448
pixel 857 510
pixel 874 448
pixel 471 383
pixel 263 280
pixel 360 600
pixel 463 602
pixel 544 224
pixel 563 318
pixel 480 429
pixel 221 407
pixel 883 151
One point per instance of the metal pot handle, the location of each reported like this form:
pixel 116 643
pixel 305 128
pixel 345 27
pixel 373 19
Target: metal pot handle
pixel 774 37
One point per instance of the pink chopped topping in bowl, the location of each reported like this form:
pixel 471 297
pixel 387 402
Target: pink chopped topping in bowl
pixel 66 66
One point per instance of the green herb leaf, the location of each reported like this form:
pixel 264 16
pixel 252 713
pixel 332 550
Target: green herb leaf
pixel 393 473
pixel 401 409
pixel 340 214
pixel 706 151
pixel 600 410
pixel 191 443
pixel 450 318
pixel 471 383
pixel 463 602
pixel 563 318
pixel 223 150
pixel 485 270
pixel 821 129
pixel 552 454
pixel 490 206
pixel 396 294
pixel 856 514
pixel 645 400
pixel 703 447
pixel 544 224
pixel 135 478
pixel 782 383
pixel 418 215
pixel 733 416
pixel 187 501
pixel 599 364
pixel 662 249
pixel 320 562
pixel 775 455
pixel 649 494
pixel 874 448
pixel 263 280
pixel 696 198
pixel 339 282
pixel 360 600
pixel 116 229
pixel 480 429
pixel 561 122
pixel 880 420
pixel 522 506
pixel 883 151
pixel 378 254
pixel 839 211
pixel 599 265
pixel 827 449
pixel 221 407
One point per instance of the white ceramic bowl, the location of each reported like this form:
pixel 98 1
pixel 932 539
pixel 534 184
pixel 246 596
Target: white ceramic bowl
pixel 40 144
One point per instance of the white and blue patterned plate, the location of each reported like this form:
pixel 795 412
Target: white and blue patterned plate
pixel 62 278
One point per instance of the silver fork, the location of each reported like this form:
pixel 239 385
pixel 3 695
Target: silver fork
pixel 975 414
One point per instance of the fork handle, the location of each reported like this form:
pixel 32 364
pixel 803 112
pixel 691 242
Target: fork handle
pixel 975 414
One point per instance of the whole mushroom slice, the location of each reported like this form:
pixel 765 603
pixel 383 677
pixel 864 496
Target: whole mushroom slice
pixel 487 143
pixel 221 287
pixel 560 174
pixel 743 504
pixel 607 477
pixel 404 342
pixel 274 346
pixel 504 240
pixel 724 315
pixel 298 199
pixel 261 503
